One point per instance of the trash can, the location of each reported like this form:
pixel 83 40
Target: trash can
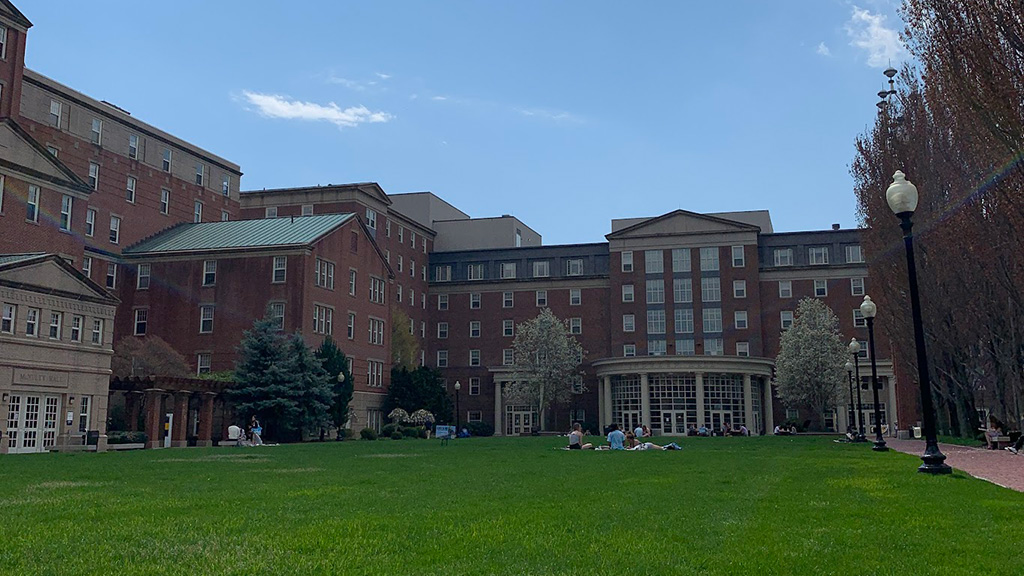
pixel 92 437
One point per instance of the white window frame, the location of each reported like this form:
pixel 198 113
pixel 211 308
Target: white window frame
pixel 740 320
pixel 111 277
pixel 115 229
pixel 627 260
pixel 576 325
pixel 55 331
pixel 654 262
pixel 710 289
pixel 739 288
pixel 203 362
pixel 712 320
pixel 94 175
pixel 683 321
pixel 709 259
pixel 270 212
pixel 165 201
pixel 542 298
pixel 655 291
pixel 743 348
pixel 442 330
pixel 782 257
pixel 575 297
pixel 786 319
pixel 508 270
pixel 206 314
pixel 32 322
pixel 67 204
pixel 443 273
pixel 96 132
pixel 166 157
pixel 140 318
pixel 56 115
pixel 280 270
pixel 133 146
pixel 474 357
pixel 371 219
pixel 541 269
pixel 854 289
pixel 200 174
pixel 785 288
pixel 473 271
pixel 474 328
pixel 129 189
pixel 854 254
pixel 142 277
pixel 628 350
pixel 859 321
pixel 442 358
pixel 508 328
pixel 197 212
pixel 628 294
pixel 820 288
pixel 209 272
pixel 77 325
pixel 9 319
pixel 574 267
pixel 474 301
pixel 442 301
pixel 817 255
pixel 32 203
pixel 739 259
pixel 629 323
pixel 508 299
pixel 90 222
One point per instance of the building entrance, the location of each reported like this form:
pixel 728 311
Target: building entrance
pixel 32 423
pixel 673 422
pixel 720 420
pixel 520 420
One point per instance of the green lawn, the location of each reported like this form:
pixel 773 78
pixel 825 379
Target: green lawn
pixel 747 506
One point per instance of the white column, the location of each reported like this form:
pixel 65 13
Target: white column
pixel 499 430
pixel 769 410
pixel 748 402
pixel 701 416
pixel 601 422
pixel 890 408
pixel 607 401
pixel 645 400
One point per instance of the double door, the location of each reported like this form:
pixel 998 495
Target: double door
pixel 673 422
pixel 32 423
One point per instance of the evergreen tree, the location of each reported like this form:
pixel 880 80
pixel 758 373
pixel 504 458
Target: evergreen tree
pixel 334 363
pixel 418 389
pixel 314 387
pixel 264 383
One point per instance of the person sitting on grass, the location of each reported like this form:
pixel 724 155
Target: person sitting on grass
pixel 576 439
pixel 616 438
pixel 647 431
pixel 703 430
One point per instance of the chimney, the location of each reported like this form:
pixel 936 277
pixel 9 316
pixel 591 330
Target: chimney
pixel 835 226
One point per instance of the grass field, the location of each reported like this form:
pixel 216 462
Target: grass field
pixel 503 506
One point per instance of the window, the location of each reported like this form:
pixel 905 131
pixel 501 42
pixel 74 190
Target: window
pixel 627 292
pixel 401 261
pixel 307 209
pixel 351 327
pixel 53 151
pixel 680 260
pixel 3 42
pixel 96 337
pixel 65 212
pixel 542 297
pixel 709 259
pixel 684 320
pixel 32 322
pixel 541 269
pixel 574 267
pixel 278 316
pixel 90 222
pixel 474 301
pixel 129 189
pixel 412 238
pixel 141 321
pixel 323 320
pixel 324 276
pixel 166 160
pixel 654 262
pixel 442 273
pixel 87 266
pixel 473 271
pixel 387 227
pixel 376 331
pixel 682 290
pixel 32 204
pixel 786 316
pixel 655 321
pixel 423 272
pixel 377 290
pixel 96 137
pixel 740 319
pixel 575 297
pixel 354 245
pixel 629 350
pixel 205 319
pixel 76 328
pixel 474 357
pixel 710 289
pixel 817 255
pixel 859 321
pixel 685 347
pixel 423 244
pixel 628 323
pixel 508 299
pixel 280 269
pixel 713 347
pixel 115 229
pixel 743 349
pixel 508 328
pixel 442 301
pixel 738 260
pixel 739 288
pixel 854 255
pixel 111 275
pixel 519 237
pixel 656 291
pixel 371 219
pixel 83 413
pixel 270 212
pixel 712 320
pixel 225 189
pixel 820 288
pixel 55 322
pixel 783 256
pixel 209 272
pixel 133 146
pixel 203 363
pixel 401 234
pixel 165 200
pixel 863 349
pixel 142 279
pixel 1 193
pixel 627 261
pixel 8 319
pixel 856 286
pixel 575 325
pixel 442 358
pixel 55 113
pixel 442 330
pixel 508 269
pixel 474 390
pixel 375 379
pixel 94 175
pixel 200 172
pixel 785 288
pixel 508 357
pixel 197 212
pixel 656 348
pixel 474 329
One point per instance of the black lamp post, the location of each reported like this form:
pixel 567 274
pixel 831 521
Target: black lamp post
pixel 902 198
pixel 851 413
pixel 868 310
pixel 458 419
pixel 855 352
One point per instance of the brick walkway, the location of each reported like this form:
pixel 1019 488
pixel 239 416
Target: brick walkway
pixel 997 466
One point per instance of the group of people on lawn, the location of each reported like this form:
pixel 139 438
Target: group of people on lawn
pixel 617 440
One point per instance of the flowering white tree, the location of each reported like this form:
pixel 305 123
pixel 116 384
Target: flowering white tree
pixel 546 363
pixel 810 368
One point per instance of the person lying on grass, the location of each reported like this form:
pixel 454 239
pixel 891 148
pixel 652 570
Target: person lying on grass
pixel 634 444
pixel 576 439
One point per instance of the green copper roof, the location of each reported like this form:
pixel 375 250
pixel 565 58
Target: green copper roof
pixel 12 258
pixel 240 234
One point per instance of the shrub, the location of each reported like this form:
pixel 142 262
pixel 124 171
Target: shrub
pixel 368 434
pixel 396 435
pixel 410 431
pixel 126 438
pixel 387 429
pixel 345 434
pixel 480 428
pixel 423 432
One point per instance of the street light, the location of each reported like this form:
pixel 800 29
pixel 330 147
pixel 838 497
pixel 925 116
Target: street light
pixel 902 198
pixel 458 421
pixel 852 425
pixel 855 352
pixel 868 311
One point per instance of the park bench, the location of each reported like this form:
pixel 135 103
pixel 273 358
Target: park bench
pixel 1002 442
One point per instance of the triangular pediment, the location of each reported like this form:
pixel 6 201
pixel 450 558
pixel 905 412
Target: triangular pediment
pixel 21 153
pixel 680 223
pixel 52 274
pixel 10 12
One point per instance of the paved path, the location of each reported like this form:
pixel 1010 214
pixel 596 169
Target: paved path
pixel 997 466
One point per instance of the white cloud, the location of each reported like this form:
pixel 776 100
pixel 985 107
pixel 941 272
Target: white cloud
pixel 274 106
pixel 382 75
pixel 350 84
pixel 823 50
pixel 868 32
pixel 439 98
pixel 556 115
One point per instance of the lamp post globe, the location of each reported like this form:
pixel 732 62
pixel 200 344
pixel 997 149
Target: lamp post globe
pixel 851 416
pixel 458 421
pixel 868 311
pixel 902 198
pixel 855 352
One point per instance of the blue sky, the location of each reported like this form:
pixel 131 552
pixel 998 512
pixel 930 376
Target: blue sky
pixel 565 114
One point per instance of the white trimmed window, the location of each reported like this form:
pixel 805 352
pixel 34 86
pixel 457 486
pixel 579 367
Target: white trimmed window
pixel 141 321
pixel 324 274
pixel 280 272
pixel 683 321
pixel 66 203
pixel 142 279
pixel 856 286
pixel 270 212
pixel 629 350
pixel 197 212
pixel 115 229
pixel 111 275
pixel 739 288
pixel 656 348
pixel 627 292
pixel 820 288
pixel 350 330
pixel 854 255
pixel 740 319
pixel 206 319
pixel 575 325
pixel 96 135
pixel 377 290
pixel 55 113
pixel 3 42
pixel 77 322
pixel 94 175
pixel 681 260
pixel 474 328
pixel 628 323
pixel 200 173
pixel 442 358
pixel 654 262
pixel 203 361
pixel 682 290
pixel 685 347
pixel 2 193
pixel 542 298
pixel 129 189
pixel 656 291
pixel 508 299
pixel 574 267
pixel 443 273
pixel 32 322
pixel 442 301
pixel 442 330
pixel 575 297
pixel 508 328
pixel 473 271
pixel 508 269
pixel 225 189
pixel 508 357
pixel 387 227
pixel 9 318
pixel 375 378
pixel 32 204
pixel 474 301
pixel 655 321
pixel 627 261
pixel 712 320
pixel 474 357
pixel 209 272
pixel 859 321
pixel 371 219
pixel 782 256
pixel 710 289
pixel 87 266
pixel 474 390
pixel 376 331
pixel 714 347
pixel 401 264
pixel 709 259
pixel 541 269
pixel 817 256
pixel 165 200
pixel 323 320
pixel 90 222
pixel 743 348
pixel 785 288
pixel 738 258
pixel 786 318
pixel 133 146
pixel 56 319
pixel 96 336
